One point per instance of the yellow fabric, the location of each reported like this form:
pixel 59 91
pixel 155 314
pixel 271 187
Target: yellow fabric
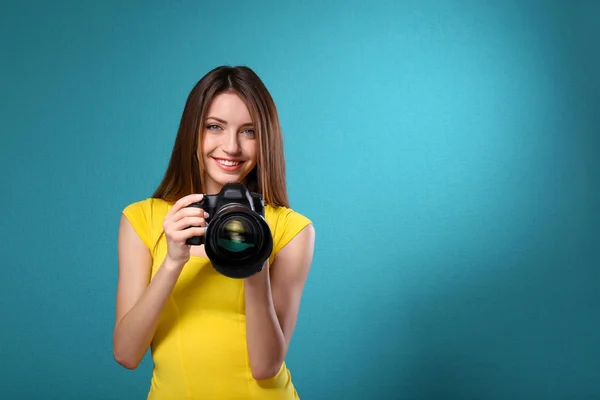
pixel 199 349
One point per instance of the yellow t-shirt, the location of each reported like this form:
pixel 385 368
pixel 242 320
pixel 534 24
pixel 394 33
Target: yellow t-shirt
pixel 199 349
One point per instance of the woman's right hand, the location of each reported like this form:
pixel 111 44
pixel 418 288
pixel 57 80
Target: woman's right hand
pixel 175 225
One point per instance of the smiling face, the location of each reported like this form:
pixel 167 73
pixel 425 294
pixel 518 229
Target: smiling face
pixel 229 145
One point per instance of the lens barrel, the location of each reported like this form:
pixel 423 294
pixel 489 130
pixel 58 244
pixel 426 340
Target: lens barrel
pixel 238 241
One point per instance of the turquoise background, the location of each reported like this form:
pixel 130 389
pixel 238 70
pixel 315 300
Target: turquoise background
pixel 447 152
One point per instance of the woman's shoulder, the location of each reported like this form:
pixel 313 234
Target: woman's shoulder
pixel 147 207
pixel 146 217
pixel 280 215
pixel 285 223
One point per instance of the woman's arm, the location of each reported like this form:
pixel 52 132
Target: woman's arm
pixel 140 300
pixel 139 303
pixel 272 304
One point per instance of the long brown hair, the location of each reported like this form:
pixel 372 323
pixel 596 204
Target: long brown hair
pixel 184 172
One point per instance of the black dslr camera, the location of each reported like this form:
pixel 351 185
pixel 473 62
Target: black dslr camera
pixel 238 239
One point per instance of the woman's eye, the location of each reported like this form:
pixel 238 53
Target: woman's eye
pixel 212 127
pixel 249 132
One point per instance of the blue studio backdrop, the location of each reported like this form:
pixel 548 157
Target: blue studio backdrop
pixel 447 152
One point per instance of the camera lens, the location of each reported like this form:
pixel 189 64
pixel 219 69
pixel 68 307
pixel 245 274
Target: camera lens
pixel 238 241
pixel 236 235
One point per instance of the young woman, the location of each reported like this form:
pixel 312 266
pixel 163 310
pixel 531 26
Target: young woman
pixel 213 337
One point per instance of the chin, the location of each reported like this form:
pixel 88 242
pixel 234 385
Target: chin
pixel 221 178
pixel 220 175
pixel 224 181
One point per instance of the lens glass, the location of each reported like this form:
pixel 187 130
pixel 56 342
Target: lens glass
pixel 235 235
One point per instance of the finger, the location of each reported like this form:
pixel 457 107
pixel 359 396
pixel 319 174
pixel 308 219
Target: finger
pixel 172 227
pixel 182 236
pixel 189 212
pixel 184 202
pixel 188 222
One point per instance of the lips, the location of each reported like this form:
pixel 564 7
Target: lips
pixel 228 165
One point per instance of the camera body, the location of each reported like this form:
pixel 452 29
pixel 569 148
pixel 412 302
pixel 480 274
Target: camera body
pixel 238 239
pixel 232 193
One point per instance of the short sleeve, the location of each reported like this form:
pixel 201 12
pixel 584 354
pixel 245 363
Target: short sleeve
pixel 138 215
pixel 285 225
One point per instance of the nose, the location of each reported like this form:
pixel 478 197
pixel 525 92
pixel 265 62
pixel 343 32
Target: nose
pixel 231 145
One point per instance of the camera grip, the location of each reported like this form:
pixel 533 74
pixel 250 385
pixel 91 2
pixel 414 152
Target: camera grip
pixel 196 240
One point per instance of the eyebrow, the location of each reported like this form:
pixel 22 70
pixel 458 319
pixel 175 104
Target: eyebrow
pixel 225 122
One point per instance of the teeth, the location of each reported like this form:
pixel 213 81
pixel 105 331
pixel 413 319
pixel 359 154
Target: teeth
pixel 229 163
